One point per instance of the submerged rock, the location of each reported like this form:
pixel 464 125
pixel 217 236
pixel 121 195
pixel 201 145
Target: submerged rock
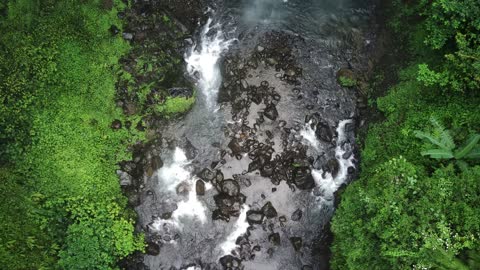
pixel 254 217
pixel 297 215
pixel 296 243
pixel 332 166
pixel 271 112
pixel 274 239
pixel 200 187
pixel 153 249
pixel 229 262
pixel 206 175
pixel 230 187
pixel 302 178
pixel 324 132
pixel 269 211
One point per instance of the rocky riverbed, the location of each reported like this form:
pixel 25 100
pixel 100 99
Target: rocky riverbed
pixel 247 179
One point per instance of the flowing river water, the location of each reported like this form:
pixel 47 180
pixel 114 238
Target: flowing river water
pixel 250 173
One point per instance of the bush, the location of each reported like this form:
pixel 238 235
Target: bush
pixel 408 211
pixel 58 66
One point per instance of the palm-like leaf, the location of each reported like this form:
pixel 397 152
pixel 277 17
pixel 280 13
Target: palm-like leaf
pixel 438 153
pixel 468 147
pixel 474 153
pixel 429 137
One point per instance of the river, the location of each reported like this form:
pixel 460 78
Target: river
pixel 250 173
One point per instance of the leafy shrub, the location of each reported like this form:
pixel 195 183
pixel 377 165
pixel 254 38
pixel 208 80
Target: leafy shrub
pixel 347 82
pixel 398 217
pixel 58 63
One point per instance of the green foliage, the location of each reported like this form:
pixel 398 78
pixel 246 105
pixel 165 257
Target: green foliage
pixel 441 138
pixel 414 212
pixel 398 216
pixel 58 66
pixel 175 105
pixel 347 82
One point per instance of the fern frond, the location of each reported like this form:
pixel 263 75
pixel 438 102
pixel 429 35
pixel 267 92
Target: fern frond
pixel 438 153
pixel 469 145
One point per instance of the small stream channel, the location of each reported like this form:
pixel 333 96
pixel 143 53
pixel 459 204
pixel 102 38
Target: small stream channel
pixel 250 173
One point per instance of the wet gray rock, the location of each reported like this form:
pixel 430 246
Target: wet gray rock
pixel 296 243
pixel 180 92
pixel 267 170
pixel 235 146
pixel 230 187
pixel 200 187
pixel 302 178
pixel 324 132
pixel 228 205
pixel 254 217
pixel 244 84
pixel 274 239
pixel 182 189
pixel 153 249
pixel 332 167
pixel 125 178
pixel 297 215
pixel 230 262
pixel 271 112
pixel 269 211
pixel 156 163
pixel 207 175
pixel 127 36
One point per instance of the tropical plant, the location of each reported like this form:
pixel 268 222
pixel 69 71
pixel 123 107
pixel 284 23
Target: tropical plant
pixel 446 147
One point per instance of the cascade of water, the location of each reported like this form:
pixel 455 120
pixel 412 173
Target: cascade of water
pixel 174 174
pixel 325 180
pixel 240 228
pixel 202 61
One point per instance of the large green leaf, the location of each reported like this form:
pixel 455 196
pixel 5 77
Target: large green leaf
pixel 425 136
pixel 468 147
pixel 474 153
pixel 438 153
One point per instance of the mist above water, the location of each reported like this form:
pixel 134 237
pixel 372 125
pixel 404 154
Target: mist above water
pixel 299 16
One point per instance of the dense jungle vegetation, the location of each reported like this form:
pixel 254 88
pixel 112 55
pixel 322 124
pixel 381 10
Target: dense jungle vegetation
pixel 61 205
pixel 416 204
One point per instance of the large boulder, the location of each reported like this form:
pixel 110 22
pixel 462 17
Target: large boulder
pixel 302 178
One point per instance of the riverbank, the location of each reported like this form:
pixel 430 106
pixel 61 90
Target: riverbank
pixel 62 206
pixel 408 209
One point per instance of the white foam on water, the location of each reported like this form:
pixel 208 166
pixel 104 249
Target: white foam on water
pixel 308 134
pixel 240 228
pixel 174 174
pixel 204 61
pixel 191 208
pixel 326 181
